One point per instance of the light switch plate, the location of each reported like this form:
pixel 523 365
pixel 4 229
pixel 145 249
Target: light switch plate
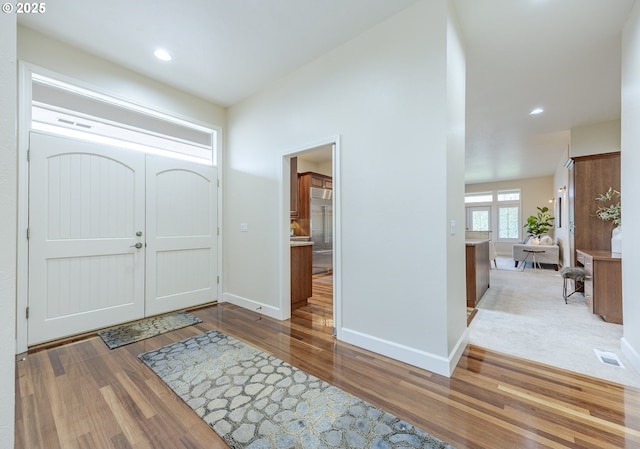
pixel 244 227
pixel 452 227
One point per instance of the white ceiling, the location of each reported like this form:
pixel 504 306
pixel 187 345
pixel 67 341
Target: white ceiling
pixel 563 55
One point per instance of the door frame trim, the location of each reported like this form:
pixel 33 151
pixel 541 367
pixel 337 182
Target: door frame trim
pixel 22 275
pixel 285 246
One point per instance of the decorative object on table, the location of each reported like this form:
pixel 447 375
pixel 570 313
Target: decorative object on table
pixel 539 224
pixel 146 328
pixel 254 400
pixel 612 212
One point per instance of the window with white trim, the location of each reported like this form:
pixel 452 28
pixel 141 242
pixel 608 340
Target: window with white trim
pixel 497 211
pixel 508 214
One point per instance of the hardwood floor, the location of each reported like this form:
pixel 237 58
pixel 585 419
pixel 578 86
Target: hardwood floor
pixel 318 313
pixel 82 395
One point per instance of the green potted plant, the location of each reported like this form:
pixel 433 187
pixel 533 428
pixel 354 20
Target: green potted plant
pixel 539 224
pixel 612 212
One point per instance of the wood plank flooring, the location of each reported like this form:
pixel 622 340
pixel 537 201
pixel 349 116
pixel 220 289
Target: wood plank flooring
pixel 82 395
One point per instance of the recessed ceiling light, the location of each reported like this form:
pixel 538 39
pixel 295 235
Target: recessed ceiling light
pixel 162 55
pixel 536 111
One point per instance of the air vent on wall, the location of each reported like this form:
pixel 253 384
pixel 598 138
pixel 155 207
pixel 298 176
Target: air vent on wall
pixel 69 122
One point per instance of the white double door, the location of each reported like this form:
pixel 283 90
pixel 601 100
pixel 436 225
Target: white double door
pixel 115 235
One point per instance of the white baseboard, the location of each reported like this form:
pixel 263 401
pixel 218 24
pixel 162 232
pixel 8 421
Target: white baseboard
pixel 461 345
pixel 256 306
pixel 421 359
pixel 631 354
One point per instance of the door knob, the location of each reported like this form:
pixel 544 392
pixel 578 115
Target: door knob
pixel 137 245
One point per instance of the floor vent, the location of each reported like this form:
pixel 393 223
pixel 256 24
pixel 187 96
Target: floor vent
pixel 608 358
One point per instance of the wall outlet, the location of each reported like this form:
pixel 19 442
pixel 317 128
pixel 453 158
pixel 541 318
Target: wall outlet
pixel 244 227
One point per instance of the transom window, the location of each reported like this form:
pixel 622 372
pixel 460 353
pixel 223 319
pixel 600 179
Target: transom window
pixel 508 195
pixel 482 197
pixel 69 110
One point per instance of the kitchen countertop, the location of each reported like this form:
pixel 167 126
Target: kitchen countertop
pixel 301 243
pixel 474 242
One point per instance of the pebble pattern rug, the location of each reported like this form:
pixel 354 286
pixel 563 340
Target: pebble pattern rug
pixel 256 401
pixel 146 328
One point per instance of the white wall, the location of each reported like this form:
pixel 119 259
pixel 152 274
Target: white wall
pixel 456 94
pixel 54 55
pixel 385 93
pixel 595 139
pixel 630 156
pixel 323 168
pixel 8 206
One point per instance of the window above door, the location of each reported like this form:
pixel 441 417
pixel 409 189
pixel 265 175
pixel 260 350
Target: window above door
pixel 64 109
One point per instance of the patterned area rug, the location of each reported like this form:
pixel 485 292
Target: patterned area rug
pixel 256 401
pixel 147 328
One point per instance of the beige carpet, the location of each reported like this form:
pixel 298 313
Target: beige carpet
pixel 523 314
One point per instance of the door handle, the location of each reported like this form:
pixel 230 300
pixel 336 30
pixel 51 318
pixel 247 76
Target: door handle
pixel 137 245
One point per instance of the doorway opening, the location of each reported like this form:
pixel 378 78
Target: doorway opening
pixel 312 231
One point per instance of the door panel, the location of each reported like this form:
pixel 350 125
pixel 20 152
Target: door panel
pixel 181 234
pixel 478 218
pixel 86 204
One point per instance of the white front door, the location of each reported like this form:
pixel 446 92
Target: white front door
pixel 100 219
pixel 181 234
pixel 86 205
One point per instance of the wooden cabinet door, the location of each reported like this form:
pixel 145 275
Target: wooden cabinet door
pixel 593 175
pixel 607 290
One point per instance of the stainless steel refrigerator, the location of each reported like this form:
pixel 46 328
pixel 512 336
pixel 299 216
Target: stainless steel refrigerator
pixel 322 229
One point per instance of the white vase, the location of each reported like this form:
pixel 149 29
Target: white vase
pixel 616 240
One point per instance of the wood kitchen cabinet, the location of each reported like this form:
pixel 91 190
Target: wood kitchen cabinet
pixel 320 181
pixel 301 267
pixel 305 182
pixel 603 283
pixel 304 205
pixel 293 180
pixel 477 270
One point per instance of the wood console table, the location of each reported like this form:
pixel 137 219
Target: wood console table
pixel 603 283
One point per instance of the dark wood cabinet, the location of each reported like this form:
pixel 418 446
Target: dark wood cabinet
pixel 305 182
pixel 293 180
pixel 477 271
pixel 591 176
pixel 603 283
pixel 301 267
pixel 304 204
pixel 320 181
